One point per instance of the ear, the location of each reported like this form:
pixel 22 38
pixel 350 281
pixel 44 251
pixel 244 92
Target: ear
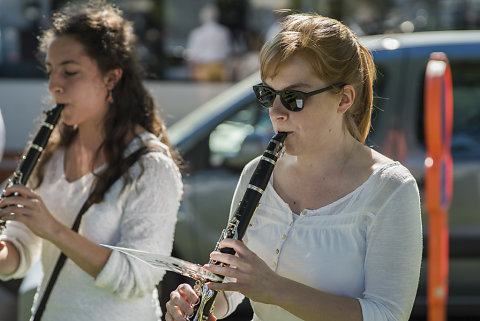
pixel 346 99
pixel 112 77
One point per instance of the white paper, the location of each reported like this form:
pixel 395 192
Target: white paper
pixel 192 270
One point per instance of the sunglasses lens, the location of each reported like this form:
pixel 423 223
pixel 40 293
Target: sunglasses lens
pixel 292 100
pixel 265 96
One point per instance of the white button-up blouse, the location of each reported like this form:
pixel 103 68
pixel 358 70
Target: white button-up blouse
pixel 366 245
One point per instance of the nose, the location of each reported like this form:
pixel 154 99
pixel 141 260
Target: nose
pixel 54 84
pixel 278 111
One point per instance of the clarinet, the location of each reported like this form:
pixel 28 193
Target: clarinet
pixel 29 160
pixel 238 224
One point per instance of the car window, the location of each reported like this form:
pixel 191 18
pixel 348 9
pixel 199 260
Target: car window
pixel 466 111
pixel 226 139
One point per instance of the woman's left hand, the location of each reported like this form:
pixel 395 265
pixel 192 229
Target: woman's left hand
pixel 254 278
pixel 28 208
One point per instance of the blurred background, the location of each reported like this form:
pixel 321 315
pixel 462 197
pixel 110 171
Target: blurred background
pixel 201 58
pixel 164 27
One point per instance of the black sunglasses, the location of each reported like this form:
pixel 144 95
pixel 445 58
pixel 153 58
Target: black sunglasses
pixel 293 100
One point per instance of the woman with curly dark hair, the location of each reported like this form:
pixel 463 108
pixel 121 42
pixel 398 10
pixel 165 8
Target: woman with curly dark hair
pixel 109 122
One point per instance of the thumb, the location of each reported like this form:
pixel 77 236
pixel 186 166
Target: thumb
pixel 2 245
pixel 211 317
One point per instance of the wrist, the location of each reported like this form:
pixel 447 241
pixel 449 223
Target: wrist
pixel 57 233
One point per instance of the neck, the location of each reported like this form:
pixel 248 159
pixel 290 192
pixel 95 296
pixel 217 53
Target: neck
pixel 89 138
pixel 328 160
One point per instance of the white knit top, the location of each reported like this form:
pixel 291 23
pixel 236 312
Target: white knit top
pixel 366 245
pixel 142 217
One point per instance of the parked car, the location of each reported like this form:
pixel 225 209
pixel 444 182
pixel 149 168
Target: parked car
pixel 218 138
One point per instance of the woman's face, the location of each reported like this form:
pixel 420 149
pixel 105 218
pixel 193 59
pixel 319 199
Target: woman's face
pixel 319 124
pixel 76 81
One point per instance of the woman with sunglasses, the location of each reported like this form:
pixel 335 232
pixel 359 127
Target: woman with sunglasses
pixel 110 144
pixel 337 234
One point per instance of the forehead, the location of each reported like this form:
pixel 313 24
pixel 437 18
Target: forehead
pixel 295 70
pixel 67 48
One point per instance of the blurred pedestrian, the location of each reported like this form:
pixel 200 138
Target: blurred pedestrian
pixel 338 233
pixel 209 47
pixel 109 151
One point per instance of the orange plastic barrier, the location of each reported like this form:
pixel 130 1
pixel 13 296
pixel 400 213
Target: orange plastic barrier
pixel 438 122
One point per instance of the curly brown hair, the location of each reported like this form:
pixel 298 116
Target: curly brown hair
pixel 109 39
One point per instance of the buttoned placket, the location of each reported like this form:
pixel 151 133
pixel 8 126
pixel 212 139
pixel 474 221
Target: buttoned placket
pixel 281 241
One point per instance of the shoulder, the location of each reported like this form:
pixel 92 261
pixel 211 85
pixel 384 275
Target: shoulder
pixel 250 167
pixel 157 160
pixel 392 185
pixel 387 169
pixel 156 150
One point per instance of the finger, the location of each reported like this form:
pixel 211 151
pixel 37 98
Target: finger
pixel 211 317
pixel 224 270
pixel 181 303
pixel 20 189
pixel 15 212
pixel 224 286
pixel 12 201
pixel 225 258
pixel 188 293
pixel 174 312
pixel 238 246
pixel 2 245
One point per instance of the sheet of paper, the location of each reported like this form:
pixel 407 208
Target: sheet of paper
pixel 192 270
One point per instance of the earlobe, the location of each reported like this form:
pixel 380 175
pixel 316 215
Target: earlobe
pixel 347 99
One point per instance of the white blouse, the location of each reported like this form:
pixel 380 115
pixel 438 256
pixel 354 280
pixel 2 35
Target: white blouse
pixel 142 217
pixel 366 245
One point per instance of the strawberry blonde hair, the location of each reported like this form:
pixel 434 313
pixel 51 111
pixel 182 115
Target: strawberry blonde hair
pixel 335 55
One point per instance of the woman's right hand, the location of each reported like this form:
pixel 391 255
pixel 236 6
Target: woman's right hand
pixel 181 304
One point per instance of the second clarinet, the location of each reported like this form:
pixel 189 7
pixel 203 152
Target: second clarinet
pixel 29 160
pixel 238 224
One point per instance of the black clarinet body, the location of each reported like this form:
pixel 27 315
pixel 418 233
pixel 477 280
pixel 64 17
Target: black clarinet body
pixel 30 158
pixel 238 224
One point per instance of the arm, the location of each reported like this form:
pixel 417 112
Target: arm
pixel 148 223
pixel 393 256
pixel 35 215
pixel 258 282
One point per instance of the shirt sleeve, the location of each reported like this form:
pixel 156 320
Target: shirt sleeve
pixel 148 224
pixel 393 256
pixel 28 245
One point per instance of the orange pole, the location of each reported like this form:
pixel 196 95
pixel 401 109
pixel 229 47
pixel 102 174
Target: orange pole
pixel 438 179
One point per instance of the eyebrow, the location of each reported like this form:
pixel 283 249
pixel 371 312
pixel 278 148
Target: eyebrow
pixel 63 63
pixel 295 86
